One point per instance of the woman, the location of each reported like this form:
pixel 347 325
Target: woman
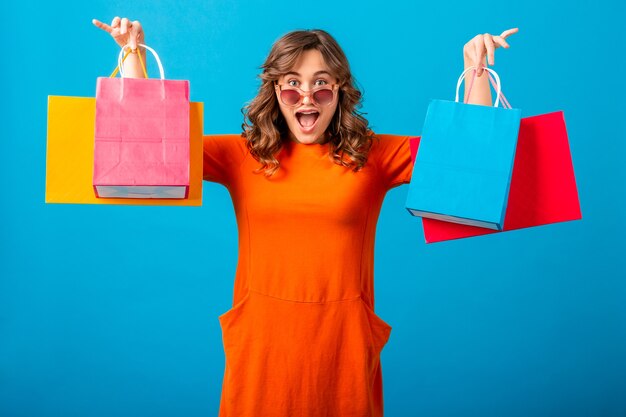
pixel 307 178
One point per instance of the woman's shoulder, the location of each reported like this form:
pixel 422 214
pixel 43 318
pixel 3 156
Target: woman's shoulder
pixel 228 142
pixel 391 137
pixel 223 154
pixel 384 143
pixel 391 154
pixel 387 147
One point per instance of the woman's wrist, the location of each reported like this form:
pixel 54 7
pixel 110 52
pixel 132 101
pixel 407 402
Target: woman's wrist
pixel 133 65
pixel 468 60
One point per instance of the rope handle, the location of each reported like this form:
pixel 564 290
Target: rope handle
pixel 505 102
pixel 494 82
pixel 123 55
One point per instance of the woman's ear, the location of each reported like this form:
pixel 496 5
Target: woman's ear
pixel 276 90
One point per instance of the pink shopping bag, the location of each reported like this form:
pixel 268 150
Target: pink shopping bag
pixel 141 145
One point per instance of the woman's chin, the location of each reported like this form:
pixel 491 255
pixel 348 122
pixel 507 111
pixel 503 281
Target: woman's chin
pixel 307 140
pixel 307 136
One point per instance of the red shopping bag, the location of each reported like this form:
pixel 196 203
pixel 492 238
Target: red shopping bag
pixel 543 185
pixel 141 137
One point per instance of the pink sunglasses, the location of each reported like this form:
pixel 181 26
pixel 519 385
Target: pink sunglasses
pixel 293 96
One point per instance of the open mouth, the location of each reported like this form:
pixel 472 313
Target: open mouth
pixel 307 119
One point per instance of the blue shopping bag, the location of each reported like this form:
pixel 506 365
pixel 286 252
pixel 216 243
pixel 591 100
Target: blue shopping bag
pixel 463 169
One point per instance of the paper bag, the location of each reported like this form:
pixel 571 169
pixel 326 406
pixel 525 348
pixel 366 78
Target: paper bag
pixel 543 185
pixel 70 150
pixel 141 137
pixel 463 171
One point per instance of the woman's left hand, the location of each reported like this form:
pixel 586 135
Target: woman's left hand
pixel 475 50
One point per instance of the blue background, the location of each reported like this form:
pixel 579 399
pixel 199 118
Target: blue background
pixel 110 310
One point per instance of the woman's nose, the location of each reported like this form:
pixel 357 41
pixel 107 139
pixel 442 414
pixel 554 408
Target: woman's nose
pixel 306 99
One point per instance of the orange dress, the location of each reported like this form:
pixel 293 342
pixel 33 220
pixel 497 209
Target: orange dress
pixel 302 338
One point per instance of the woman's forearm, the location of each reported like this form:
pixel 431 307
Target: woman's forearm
pixel 132 66
pixel 481 91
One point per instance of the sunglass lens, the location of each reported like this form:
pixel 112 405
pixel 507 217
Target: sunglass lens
pixel 290 97
pixel 323 97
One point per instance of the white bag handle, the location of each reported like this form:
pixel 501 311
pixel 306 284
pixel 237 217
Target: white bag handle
pixel 498 86
pixel 121 55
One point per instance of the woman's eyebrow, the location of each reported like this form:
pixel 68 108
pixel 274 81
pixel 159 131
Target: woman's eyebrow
pixel 297 74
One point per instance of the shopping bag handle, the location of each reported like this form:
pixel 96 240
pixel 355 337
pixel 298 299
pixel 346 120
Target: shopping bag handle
pixel 123 55
pixel 117 69
pixel 496 84
pixel 505 102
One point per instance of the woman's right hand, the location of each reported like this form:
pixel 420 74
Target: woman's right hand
pixel 125 32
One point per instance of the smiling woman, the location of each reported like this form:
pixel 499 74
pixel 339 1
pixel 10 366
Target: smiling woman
pixel 302 337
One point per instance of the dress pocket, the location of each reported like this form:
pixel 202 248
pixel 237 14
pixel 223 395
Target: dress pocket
pixel 284 356
pixel 380 329
pixel 230 319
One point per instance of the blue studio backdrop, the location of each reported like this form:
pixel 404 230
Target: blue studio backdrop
pixel 112 310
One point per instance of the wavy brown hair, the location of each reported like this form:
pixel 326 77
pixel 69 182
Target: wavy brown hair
pixel 264 126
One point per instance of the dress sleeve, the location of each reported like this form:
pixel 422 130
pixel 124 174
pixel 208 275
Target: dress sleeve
pixel 222 157
pixel 393 157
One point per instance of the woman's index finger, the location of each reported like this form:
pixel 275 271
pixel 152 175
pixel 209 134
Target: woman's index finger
pixel 508 32
pixel 102 25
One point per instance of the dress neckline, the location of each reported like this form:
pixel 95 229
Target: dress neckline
pixel 295 143
pixel 294 147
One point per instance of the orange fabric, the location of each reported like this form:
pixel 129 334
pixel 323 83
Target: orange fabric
pixel 302 337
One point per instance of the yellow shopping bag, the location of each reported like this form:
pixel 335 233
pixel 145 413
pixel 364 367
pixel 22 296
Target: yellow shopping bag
pixel 69 159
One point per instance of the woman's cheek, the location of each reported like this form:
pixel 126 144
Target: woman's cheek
pixel 328 117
